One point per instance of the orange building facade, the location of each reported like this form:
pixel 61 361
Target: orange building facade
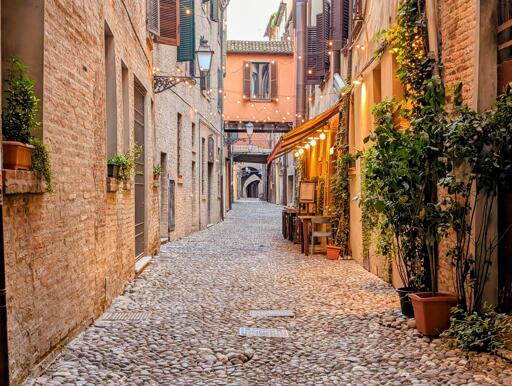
pixel 258 94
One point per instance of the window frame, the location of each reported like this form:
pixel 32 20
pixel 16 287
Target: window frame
pixel 269 80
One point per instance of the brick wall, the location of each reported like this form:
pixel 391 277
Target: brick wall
pixel 69 253
pixel 198 108
pixel 458 26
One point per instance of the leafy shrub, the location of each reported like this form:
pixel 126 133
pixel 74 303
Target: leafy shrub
pixel 21 105
pixel 157 170
pixel 481 332
pixel 41 162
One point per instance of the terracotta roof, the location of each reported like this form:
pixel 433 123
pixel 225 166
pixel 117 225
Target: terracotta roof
pixel 260 47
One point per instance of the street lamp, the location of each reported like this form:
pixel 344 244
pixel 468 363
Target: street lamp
pixel 204 55
pixel 249 128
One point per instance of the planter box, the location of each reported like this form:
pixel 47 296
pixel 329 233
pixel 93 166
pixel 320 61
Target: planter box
pixel 17 155
pixel 432 312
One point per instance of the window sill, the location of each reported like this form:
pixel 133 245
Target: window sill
pixel 22 182
pixel 257 100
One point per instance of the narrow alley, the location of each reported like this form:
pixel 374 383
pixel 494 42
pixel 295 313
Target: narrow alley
pixel 179 322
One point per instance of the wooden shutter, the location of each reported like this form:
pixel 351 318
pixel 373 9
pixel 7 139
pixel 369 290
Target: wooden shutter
pixel 323 32
pixel 214 10
pixel 187 43
pixel 169 22
pixel 220 86
pixel 311 56
pixel 247 80
pixel 273 82
pixel 340 18
pixel 153 18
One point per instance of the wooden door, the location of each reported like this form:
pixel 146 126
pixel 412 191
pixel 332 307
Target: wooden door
pixel 172 206
pixel 140 185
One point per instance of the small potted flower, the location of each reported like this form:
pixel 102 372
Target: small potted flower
pixel 157 172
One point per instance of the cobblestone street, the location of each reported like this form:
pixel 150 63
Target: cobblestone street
pixel 191 302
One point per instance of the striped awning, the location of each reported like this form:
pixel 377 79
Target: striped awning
pixel 301 133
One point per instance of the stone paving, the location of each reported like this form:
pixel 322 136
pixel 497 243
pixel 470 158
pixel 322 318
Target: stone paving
pixel 199 292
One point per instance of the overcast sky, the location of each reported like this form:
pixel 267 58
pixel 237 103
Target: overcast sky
pixel 247 19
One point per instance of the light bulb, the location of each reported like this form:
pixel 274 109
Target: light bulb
pixel 307 146
pixel 297 154
pixel 301 151
pixel 322 136
pixel 313 143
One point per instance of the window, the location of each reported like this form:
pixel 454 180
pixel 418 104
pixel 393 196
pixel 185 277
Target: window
pixel 193 137
pixel 178 143
pixel 111 92
pixel 203 153
pixel 260 80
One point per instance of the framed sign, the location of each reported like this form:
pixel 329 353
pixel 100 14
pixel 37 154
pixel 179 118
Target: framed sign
pixel 307 191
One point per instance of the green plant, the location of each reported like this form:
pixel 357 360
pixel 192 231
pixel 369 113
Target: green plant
pixel 157 170
pixel 41 162
pixel 320 196
pixel 486 331
pixel 19 114
pixel 478 155
pixel 126 162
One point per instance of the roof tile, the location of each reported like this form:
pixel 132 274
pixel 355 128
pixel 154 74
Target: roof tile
pixel 260 47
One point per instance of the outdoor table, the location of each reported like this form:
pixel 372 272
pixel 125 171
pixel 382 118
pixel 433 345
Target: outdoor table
pixel 306 220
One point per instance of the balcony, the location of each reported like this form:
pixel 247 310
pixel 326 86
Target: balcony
pixel 504 31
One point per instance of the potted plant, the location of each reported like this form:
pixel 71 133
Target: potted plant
pixel 113 167
pixel 125 163
pixel 19 116
pixel 157 172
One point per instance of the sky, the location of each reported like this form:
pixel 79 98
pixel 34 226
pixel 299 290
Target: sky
pixel 247 19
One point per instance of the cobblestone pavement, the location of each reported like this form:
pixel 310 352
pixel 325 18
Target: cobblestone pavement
pixel 200 291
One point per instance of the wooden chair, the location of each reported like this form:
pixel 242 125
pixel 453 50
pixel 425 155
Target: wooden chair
pixel 320 233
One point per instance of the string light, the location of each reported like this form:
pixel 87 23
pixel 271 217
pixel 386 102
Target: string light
pixel 307 146
pixel 313 143
pixel 301 151
pixel 322 136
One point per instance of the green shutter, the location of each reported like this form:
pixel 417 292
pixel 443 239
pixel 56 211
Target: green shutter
pixel 187 46
pixel 214 10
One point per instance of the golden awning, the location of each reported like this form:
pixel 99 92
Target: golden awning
pixel 301 133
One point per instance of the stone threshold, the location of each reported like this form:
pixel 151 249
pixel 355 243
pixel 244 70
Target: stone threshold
pixel 142 264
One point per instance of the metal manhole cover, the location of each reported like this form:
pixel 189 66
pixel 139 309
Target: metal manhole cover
pixel 129 316
pixel 272 313
pixel 263 332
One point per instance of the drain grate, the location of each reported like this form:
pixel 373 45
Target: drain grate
pixel 126 316
pixel 272 313
pixel 263 332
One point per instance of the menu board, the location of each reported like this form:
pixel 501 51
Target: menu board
pixel 307 192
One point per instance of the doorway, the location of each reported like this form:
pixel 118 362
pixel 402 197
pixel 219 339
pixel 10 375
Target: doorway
pixel 164 233
pixel 210 179
pixel 171 220
pixel 140 177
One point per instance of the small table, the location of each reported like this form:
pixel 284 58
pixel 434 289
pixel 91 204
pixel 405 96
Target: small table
pixel 288 222
pixel 306 221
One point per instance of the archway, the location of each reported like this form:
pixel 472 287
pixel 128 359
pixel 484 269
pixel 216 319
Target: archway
pixel 253 180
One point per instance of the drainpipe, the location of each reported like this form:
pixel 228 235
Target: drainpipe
pixel 284 199
pixel 301 20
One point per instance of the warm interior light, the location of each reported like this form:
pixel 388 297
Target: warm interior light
pixel 322 136
pixel 313 143
pixel 307 146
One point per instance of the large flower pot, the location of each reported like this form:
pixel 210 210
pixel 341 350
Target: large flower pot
pixel 405 301
pixel 333 252
pixel 17 155
pixel 432 311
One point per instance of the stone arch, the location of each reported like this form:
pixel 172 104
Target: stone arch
pixel 250 180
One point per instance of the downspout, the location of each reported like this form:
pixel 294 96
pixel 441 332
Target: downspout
pixel 4 341
pixel 284 198
pixel 301 14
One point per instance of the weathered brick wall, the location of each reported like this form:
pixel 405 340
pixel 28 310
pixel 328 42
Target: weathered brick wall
pixel 69 253
pixel 458 27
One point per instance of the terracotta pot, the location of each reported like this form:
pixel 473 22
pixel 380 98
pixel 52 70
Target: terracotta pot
pixel 432 312
pixel 333 252
pixel 17 155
